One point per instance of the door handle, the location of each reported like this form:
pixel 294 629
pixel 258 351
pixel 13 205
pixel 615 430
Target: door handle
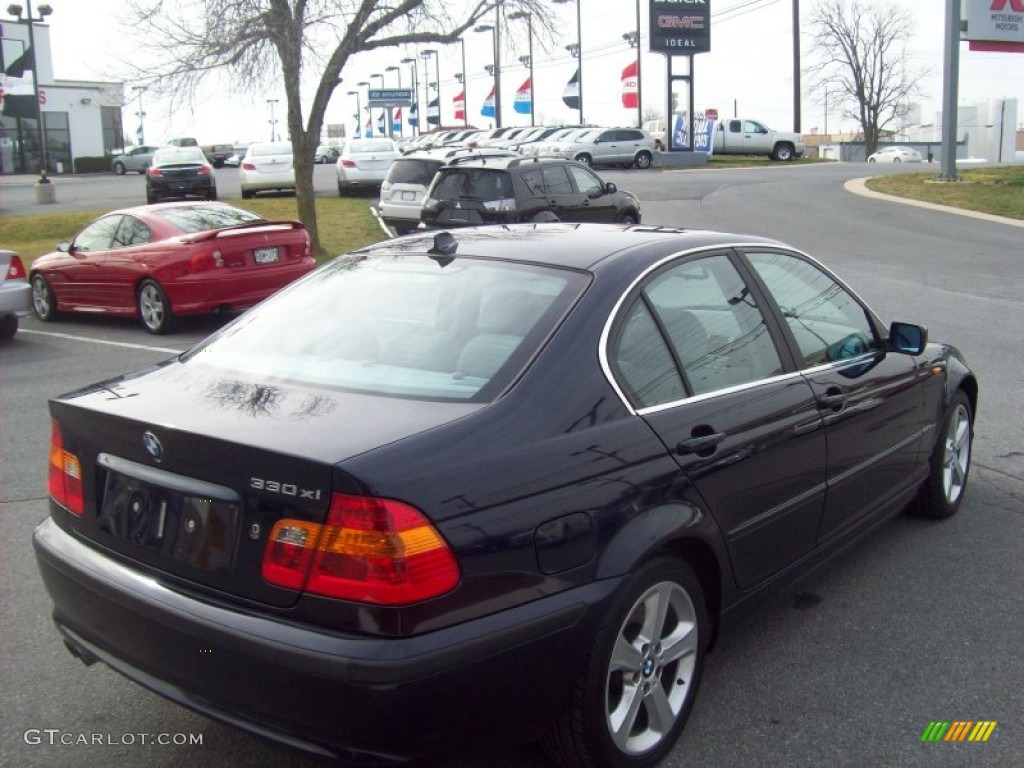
pixel 833 399
pixel 701 445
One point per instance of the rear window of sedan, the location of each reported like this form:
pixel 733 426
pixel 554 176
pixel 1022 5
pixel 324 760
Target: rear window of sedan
pixel 400 325
pixel 170 155
pixel 202 218
pixel 371 145
pixel 266 150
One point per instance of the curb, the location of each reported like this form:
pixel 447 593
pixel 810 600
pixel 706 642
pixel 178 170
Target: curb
pixel 859 187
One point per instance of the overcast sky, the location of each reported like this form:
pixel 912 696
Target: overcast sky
pixel 750 65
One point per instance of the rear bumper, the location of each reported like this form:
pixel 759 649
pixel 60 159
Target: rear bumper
pixel 502 678
pixel 234 290
pixel 15 298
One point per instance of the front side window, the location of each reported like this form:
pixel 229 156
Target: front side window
pixel 98 236
pixel 588 183
pixel 400 325
pixel 827 322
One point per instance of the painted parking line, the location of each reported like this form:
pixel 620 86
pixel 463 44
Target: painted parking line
pixel 90 340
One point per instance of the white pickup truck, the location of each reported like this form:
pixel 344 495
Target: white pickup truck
pixel 738 136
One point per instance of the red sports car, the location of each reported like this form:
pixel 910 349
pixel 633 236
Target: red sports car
pixel 158 262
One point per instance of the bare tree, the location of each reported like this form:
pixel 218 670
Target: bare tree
pixel 859 51
pixel 261 41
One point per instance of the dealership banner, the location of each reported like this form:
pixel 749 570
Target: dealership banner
pixel 524 98
pixel 630 86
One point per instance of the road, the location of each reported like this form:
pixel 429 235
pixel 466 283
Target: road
pixel 920 622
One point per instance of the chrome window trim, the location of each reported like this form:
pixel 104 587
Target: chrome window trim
pixel 720 247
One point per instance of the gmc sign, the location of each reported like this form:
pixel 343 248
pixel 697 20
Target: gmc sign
pixel 680 27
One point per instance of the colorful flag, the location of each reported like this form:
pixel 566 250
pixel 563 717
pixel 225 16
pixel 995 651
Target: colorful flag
pixel 571 95
pixel 396 121
pixel 459 103
pixel 524 98
pixel 434 112
pixel 414 115
pixel 382 125
pixel 630 86
pixel 487 110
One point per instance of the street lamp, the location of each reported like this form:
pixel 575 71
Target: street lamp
pixel 415 91
pixel 493 69
pixel 426 54
pixel 365 84
pixel 528 59
pixel 273 120
pixel 140 134
pixel 44 10
pixel 576 49
pixel 359 112
pixel 398 70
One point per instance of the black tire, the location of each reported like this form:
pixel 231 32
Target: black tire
pixel 942 492
pixel 629 218
pixel 659 146
pixel 151 198
pixel 212 195
pixel 871 159
pixel 643 160
pixel 8 327
pixel 119 168
pixel 44 302
pixel 154 308
pixel 341 191
pixel 599 730
pixel 247 194
pixel 585 159
pixel 783 152
pixel 896 161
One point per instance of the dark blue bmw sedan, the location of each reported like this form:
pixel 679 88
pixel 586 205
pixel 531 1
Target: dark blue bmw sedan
pixel 500 485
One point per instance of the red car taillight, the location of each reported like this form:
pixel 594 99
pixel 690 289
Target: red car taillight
pixel 369 550
pixel 348 163
pixel 205 260
pixel 249 166
pixel 65 478
pixel 16 271
pixel 154 173
pixel 204 170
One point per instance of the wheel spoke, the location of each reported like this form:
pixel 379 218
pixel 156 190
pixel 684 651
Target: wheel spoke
pixel 623 718
pixel 660 716
pixel 683 643
pixel 625 656
pixel 656 607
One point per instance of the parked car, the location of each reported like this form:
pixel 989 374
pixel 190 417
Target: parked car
pixel 363 163
pixel 545 146
pixel 464 489
pixel 180 172
pixel 504 190
pixel 895 154
pixel 165 261
pixel 233 161
pixel 267 166
pixel 625 147
pixel 133 159
pixel 405 186
pixel 15 293
pixel 327 153
pixel 656 129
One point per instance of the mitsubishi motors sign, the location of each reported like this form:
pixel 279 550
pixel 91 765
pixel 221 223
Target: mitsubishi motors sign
pixel 995 21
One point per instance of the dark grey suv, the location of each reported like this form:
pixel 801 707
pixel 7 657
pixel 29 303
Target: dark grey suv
pixel 471 192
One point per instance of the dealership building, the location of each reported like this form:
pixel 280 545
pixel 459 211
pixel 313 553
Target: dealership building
pixel 79 118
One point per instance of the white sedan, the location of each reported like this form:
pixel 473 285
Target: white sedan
pixel 896 154
pixel 363 163
pixel 266 165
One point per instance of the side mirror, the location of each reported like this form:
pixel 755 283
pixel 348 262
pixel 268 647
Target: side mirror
pixel 907 339
pixel 64 247
pixel 610 188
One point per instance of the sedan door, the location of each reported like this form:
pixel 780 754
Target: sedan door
pixel 872 401
pixel 78 281
pixel 697 358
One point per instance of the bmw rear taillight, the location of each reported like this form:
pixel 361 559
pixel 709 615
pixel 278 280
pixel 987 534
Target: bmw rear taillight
pixel 65 477
pixel 504 205
pixel 154 173
pixel 204 170
pixel 249 166
pixel 16 270
pixel 369 550
pixel 348 163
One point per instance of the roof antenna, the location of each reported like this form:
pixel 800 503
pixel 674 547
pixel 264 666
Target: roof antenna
pixel 445 246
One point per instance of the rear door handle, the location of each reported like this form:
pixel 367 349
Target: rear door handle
pixel 833 399
pixel 702 445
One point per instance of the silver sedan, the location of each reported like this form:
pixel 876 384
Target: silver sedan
pixel 363 163
pixel 132 159
pixel 895 154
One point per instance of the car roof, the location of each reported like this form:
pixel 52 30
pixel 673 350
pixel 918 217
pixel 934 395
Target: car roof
pixel 591 247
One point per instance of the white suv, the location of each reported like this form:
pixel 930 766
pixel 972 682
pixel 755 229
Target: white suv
pixel 624 147
pixel 405 186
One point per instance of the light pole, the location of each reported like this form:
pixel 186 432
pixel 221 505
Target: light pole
pixel 273 120
pixel 415 91
pixel 44 10
pixel 577 51
pixel 633 38
pixel 492 69
pixel 465 89
pixel 140 134
pixel 529 57
pixel 362 130
pixel 359 112
pixel 426 54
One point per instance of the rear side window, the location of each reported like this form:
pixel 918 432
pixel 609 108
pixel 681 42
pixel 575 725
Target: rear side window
pixel 401 325
pixel 473 184
pixel 409 171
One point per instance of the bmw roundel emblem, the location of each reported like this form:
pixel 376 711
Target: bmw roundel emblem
pixel 153 445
